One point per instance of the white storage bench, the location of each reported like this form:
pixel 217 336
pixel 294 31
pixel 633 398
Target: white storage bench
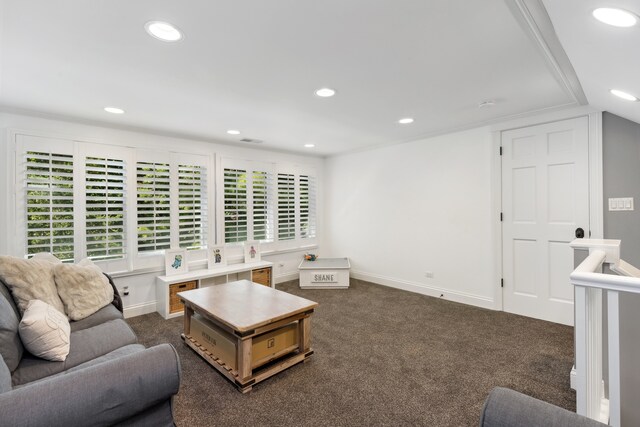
pixel 324 273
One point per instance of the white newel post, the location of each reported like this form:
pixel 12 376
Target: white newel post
pixel 590 399
pixel 588 332
pixel 613 329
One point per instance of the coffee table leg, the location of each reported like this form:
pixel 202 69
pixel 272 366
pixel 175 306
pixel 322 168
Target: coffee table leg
pixel 244 358
pixel 304 334
pixel 188 312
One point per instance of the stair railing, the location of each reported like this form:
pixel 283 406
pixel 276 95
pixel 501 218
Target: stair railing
pixel 590 283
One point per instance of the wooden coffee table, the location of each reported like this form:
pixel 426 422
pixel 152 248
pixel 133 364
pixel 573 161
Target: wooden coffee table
pixel 246 310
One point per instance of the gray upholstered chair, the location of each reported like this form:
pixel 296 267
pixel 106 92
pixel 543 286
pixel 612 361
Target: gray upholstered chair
pixel 508 408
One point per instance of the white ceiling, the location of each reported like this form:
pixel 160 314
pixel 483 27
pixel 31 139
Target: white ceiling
pixel 604 57
pixel 254 65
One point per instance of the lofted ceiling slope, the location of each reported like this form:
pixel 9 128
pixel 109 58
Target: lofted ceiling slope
pixel 254 66
pixel 604 57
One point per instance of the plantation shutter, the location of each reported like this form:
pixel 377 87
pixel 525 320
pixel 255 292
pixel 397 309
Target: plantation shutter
pixel 308 189
pixel 262 214
pixel 192 206
pixel 49 204
pixel 286 207
pixel 153 206
pixel 235 205
pixel 105 196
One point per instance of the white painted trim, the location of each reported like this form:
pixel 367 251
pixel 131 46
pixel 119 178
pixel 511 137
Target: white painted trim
pixel 548 117
pixel 287 277
pixel 613 338
pixel 604 408
pixel 596 217
pixel 7 214
pixel 419 288
pixel 536 23
pixel 496 224
pixel 572 377
pixel 139 309
pixel 596 213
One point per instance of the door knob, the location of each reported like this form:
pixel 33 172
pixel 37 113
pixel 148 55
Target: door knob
pixel 579 233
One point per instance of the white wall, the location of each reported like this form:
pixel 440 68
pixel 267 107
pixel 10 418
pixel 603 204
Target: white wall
pixel 141 297
pixel 402 210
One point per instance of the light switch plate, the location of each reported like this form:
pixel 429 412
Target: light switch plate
pixel 621 204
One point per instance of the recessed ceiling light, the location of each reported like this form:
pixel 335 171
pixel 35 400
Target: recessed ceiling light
pixel 309 145
pixel 325 92
pixel 114 110
pixel 163 31
pixel 405 121
pixel 615 17
pixel 624 95
pixel 233 132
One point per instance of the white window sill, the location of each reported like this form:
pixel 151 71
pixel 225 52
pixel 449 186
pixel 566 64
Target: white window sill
pixel 200 264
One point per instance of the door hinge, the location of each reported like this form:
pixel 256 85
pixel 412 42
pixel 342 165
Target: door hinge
pixel 501 217
pixel 502 283
pixel 501 150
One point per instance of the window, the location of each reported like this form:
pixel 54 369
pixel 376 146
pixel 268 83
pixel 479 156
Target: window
pixel 122 207
pixel 172 204
pixel 105 184
pixel 192 206
pixel 154 206
pixel 235 205
pixel 248 202
pixel 262 188
pixel 286 207
pixel 49 204
pixel 307 206
pixel 296 213
pixel 272 203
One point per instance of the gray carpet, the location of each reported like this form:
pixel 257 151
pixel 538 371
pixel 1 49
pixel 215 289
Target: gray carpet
pixel 382 357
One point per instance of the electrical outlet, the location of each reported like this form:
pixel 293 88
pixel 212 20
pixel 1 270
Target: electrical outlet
pixel 428 274
pixel 281 265
pixel 125 291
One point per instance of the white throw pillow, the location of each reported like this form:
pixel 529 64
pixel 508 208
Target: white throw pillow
pixel 45 331
pixel 30 279
pixel 83 288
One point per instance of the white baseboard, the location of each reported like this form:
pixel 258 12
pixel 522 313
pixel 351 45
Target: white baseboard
pixel 572 377
pixel 281 278
pixel 420 288
pixel 139 309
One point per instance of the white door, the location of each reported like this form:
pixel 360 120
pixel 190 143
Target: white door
pixel 545 198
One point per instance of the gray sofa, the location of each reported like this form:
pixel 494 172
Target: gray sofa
pixel 508 408
pixel 107 378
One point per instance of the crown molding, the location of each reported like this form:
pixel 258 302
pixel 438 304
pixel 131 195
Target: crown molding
pixel 536 23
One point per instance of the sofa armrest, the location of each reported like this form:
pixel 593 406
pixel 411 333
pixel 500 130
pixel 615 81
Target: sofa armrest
pixel 117 300
pixel 102 394
pixel 507 408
